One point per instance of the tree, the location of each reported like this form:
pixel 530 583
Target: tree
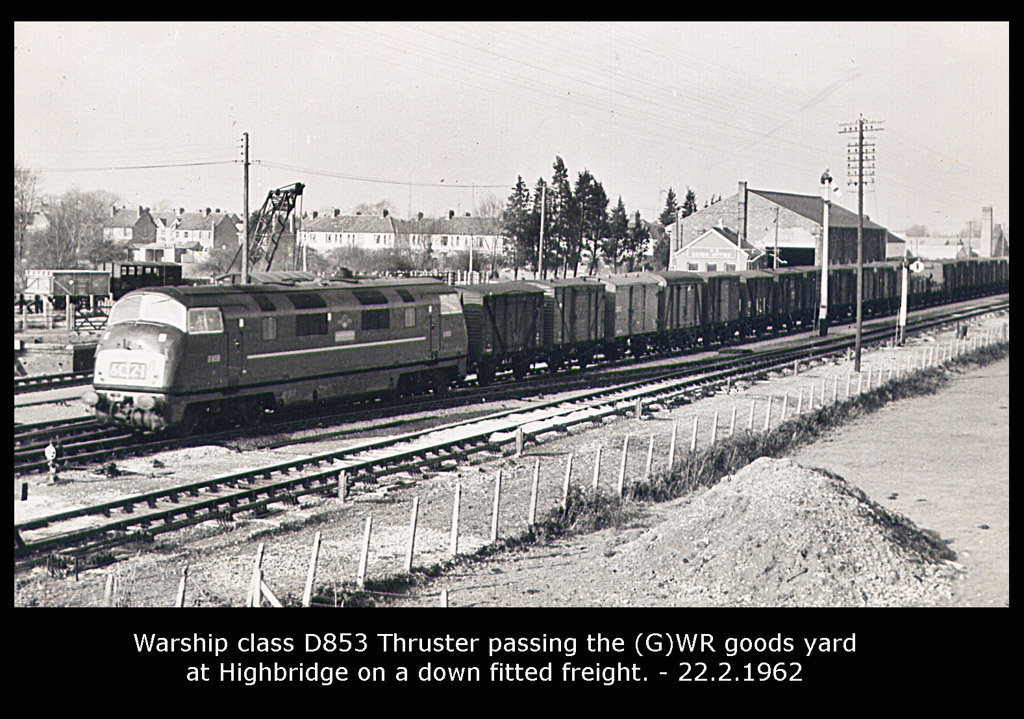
pixel 561 220
pixel 25 198
pixel 490 206
pixel 689 204
pixel 75 234
pixel 591 220
pixel 636 243
pixel 668 215
pixel 916 231
pixel 376 208
pixel 517 226
pixel 615 246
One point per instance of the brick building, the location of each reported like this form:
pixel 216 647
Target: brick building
pixel 791 222
pixel 129 226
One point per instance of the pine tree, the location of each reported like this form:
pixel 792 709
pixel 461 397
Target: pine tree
pixel 562 219
pixel 616 246
pixel 668 215
pixel 592 220
pixel 517 226
pixel 689 203
pixel 636 245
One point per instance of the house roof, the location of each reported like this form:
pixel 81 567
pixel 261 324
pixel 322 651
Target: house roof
pixel 350 223
pixel 729 235
pixel 812 207
pixel 125 217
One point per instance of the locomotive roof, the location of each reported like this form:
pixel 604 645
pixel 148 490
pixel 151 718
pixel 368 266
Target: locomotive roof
pixel 207 295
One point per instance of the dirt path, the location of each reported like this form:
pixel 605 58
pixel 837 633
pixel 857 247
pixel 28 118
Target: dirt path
pixel 941 460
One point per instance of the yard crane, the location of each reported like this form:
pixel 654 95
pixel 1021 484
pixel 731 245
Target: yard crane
pixel 265 232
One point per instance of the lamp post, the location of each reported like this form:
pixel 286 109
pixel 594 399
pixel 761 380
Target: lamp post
pixel 826 181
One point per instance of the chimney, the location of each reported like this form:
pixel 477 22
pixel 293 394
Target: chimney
pixel 217 210
pixel 207 211
pixel 987 235
pixel 181 211
pixel 384 213
pixel 451 214
pixel 338 212
pixel 467 214
pixel 419 215
pixel 314 214
pixel 113 210
pixel 141 208
pixel 741 212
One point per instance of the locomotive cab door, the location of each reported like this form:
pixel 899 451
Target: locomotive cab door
pixel 234 330
pixel 434 329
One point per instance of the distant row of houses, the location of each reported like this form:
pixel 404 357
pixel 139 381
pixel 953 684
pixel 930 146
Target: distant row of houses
pixel 190 236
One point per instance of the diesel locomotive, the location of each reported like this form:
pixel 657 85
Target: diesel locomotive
pixel 172 357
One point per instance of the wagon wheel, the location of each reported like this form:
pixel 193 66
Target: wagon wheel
pixel 520 369
pixel 484 375
pixel 189 423
pixel 252 413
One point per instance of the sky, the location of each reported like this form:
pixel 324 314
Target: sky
pixel 438 116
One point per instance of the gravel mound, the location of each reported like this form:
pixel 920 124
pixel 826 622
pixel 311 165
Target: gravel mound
pixel 776 533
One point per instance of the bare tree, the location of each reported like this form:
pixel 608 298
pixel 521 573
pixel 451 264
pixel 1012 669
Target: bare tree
pixel 75 233
pixel 25 198
pixel 490 206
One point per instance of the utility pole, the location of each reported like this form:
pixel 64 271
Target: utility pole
pixel 858 149
pixel 540 248
pixel 245 209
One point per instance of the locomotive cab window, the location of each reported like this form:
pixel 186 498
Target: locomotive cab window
pixel 205 320
pixel 270 328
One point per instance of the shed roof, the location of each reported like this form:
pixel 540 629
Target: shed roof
pixel 812 207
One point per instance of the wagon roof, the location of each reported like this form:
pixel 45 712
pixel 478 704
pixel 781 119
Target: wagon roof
pixel 674 276
pixel 569 282
pixel 502 288
pixel 635 278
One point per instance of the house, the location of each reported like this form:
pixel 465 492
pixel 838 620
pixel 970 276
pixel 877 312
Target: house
pixel 324 234
pixel 719 249
pixel 790 222
pixel 459 234
pixel 209 228
pixel 127 226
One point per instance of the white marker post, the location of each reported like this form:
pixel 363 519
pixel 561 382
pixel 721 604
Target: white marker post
pixel 597 468
pixel 307 592
pixel 364 555
pixel 650 458
pixel 496 508
pixel 672 447
pixel 453 544
pixel 693 437
pixel 532 518
pixel 565 483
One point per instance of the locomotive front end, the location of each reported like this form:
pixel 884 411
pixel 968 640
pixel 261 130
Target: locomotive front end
pixel 136 360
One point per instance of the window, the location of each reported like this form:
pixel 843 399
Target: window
pixel 730 266
pixel 376 319
pixel 270 328
pixel 712 267
pixel 692 266
pixel 370 297
pixel 306 300
pixel 450 304
pixel 311 324
pixel 204 320
pixel 410 316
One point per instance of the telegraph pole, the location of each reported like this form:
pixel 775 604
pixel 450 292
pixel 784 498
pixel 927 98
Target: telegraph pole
pixel 859 127
pixel 826 180
pixel 245 209
pixel 775 260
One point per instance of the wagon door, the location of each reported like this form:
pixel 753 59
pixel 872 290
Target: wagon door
pixel 234 330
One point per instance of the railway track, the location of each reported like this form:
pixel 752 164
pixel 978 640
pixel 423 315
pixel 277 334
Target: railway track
pixel 343 472
pixel 85 442
pixel 36 383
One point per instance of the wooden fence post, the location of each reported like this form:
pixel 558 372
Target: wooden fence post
pixel 822 392
pixel 444 598
pixel 413 519
pixel 453 545
pixel 519 441
pixel 365 553
pixel 650 458
pixel 532 518
pixel 597 467
pixel 750 420
pixel 565 483
pixel 255 592
pixel 849 379
pixel 108 590
pixel 314 557
pixel 714 429
pixel 622 465
pixel 768 413
pixel 835 388
pixel 785 406
pixel 179 600
pixel 495 509
pixel 732 422
pixel 693 437
pixel 672 446
pixel 639 407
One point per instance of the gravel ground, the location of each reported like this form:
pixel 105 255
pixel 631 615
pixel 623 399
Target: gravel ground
pixel 220 557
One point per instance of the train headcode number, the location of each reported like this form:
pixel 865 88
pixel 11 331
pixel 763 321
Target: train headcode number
pixel 128 370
